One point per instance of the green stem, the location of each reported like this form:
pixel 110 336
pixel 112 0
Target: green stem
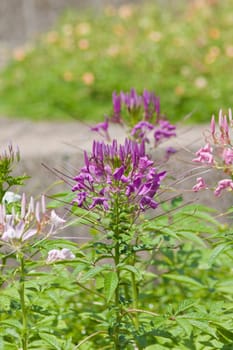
pixel 88 338
pixel 134 298
pixel 24 334
pixel 117 297
pixel 117 290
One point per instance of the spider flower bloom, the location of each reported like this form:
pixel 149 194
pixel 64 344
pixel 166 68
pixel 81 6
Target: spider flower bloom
pixel 224 124
pixel 32 219
pixel 117 172
pixel 165 131
pixel 227 156
pixel 200 185
pixel 141 129
pixel 140 114
pixel 204 155
pixel 151 105
pixel 142 107
pixel 55 255
pixel 102 129
pixel 222 185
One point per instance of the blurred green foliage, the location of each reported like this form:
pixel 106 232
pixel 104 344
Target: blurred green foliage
pixel 184 53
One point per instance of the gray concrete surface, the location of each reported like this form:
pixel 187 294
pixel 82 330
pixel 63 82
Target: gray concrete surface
pixel 60 146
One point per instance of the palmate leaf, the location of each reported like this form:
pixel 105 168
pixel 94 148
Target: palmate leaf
pixel 185 305
pixel 110 284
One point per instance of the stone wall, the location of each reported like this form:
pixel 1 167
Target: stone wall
pixel 21 20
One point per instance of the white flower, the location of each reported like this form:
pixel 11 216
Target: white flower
pixel 17 233
pixel 11 197
pixel 58 255
pixel 56 220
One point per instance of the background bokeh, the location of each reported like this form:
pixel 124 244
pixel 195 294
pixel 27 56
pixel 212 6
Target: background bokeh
pixel 181 50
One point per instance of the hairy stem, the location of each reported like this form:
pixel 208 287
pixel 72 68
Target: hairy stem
pixel 117 298
pixel 117 290
pixel 24 334
pixel 134 297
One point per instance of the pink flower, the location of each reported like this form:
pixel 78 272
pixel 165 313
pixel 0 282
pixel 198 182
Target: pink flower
pixel 227 156
pixel 222 185
pixel 200 185
pixel 212 126
pixel 204 155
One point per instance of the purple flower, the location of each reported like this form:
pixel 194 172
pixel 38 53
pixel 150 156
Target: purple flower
pixel 99 201
pixel 102 129
pixel 145 107
pixel 147 202
pixel 118 173
pixel 170 151
pixel 140 114
pixel 114 170
pixel 116 101
pixel 151 105
pixel 81 197
pixel 141 129
pixel 165 131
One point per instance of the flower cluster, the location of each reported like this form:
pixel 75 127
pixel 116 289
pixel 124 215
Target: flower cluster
pixel 32 219
pixel 145 106
pixel 123 171
pixel 217 153
pixel 141 114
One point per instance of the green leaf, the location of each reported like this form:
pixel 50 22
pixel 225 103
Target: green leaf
pixel 110 284
pixel 185 305
pixel 51 340
pixel 185 325
pixel 184 279
pixel 219 249
pixel 192 237
pixel 225 334
pixel 39 344
pixel 12 323
pixel 132 269
pixel 91 273
pixel 225 286
pixel 203 326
